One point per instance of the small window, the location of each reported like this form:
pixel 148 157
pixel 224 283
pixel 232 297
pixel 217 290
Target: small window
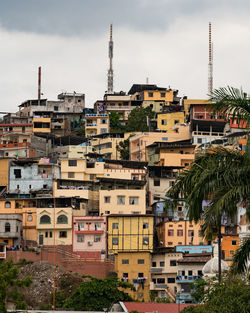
pixel 171 183
pixel 140 261
pixel 80 238
pixel 162 264
pixel 62 219
pixel 190 273
pixel 176 121
pixel 45 219
pixel 115 226
pixel 150 94
pixel 163 122
pixel 7 227
pixel 7 204
pixel 160 280
pixel 55 108
pixel 190 233
pixel 140 275
pixel 234 242
pixel 98 226
pixel 120 200
pixel 97 238
pixel 46 234
pixel 71 175
pixel 125 261
pixel 17 173
pixel 179 208
pixel 163 94
pixel 62 234
pixel 107 212
pixel 50 234
pixel 29 218
pixel 179 232
pixel 125 275
pixel 145 226
pixel 172 262
pixel 170 232
pixel 157 182
pixel 200 233
pixel 92 176
pixel 133 200
pixel 72 162
pixel 153 264
pixel 115 241
pixel 145 241
pixel 199 140
pixel 106 199
pixel 171 280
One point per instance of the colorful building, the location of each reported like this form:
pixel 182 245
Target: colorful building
pixel 41 125
pixel 96 124
pixel 130 233
pixel 134 268
pixel 229 242
pixel 166 121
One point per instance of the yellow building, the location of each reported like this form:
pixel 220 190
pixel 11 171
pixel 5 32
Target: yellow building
pixel 26 208
pixel 41 125
pixel 176 233
pixel 134 268
pixel 166 121
pixel 96 124
pixel 4 173
pixel 130 233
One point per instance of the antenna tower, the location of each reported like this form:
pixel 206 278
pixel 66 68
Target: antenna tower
pixel 110 71
pixel 210 61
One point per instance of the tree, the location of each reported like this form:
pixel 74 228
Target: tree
pixel 230 296
pixel 98 294
pixel 241 258
pixel 114 123
pixel 123 148
pixel 220 176
pixel 138 119
pixel 9 285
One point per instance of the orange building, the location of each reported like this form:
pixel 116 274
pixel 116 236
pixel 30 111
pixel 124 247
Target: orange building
pixel 229 242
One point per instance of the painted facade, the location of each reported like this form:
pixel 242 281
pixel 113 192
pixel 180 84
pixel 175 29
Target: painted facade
pixel 11 230
pixel 166 121
pixel 96 124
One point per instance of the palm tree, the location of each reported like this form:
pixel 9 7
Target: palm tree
pixel 220 176
pixel 241 258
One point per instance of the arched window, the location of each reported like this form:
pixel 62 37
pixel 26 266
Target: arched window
pixel 7 227
pixel 7 204
pixel 45 219
pixel 62 219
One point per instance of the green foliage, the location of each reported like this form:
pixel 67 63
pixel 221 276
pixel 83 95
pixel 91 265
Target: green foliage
pixel 9 285
pixel 97 294
pixel 123 148
pixel 198 288
pixel 114 123
pixel 230 296
pixel 163 300
pixel 240 259
pixel 137 119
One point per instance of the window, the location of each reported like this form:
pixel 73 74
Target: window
pixel 162 264
pixel 46 234
pixel 62 234
pixel 163 94
pixel 190 233
pixel 115 241
pixel 163 122
pixel 98 226
pixel 133 200
pixel 160 280
pixel 120 200
pixel 171 280
pixel 200 273
pixel 179 232
pixel 140 261
pixel 172 262
pixel 150 94
pixel 62 219
pixel 17 173
pixel 50 234
pixel 107 212
pixel 199 140
pixel 104 121
pixel 7 204
pixel 92 176
pixel 30 218
pixel 55 108
pixel 115 226
pixel 171 183
pixel 72 162
pixel 71 175
pixel 80 226
pixel 145 226
pixel 157 182
pixel 7 227
pixel 234 242
pixel 80 238
pixel 170 232
pixel 179 208
pixel 106 199
pixel 125 261
pixel 200 233
pixel 153 264
pixel 176 121
pixel 97 238
pixel 45 219
pixel 145 241
pixel 140 275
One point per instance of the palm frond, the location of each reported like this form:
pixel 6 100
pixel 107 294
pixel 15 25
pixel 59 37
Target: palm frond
pixel 241 258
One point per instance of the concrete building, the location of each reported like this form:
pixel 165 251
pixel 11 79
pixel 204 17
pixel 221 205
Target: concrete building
pixel 166 121
pixel 164 269
pixel 11 229
pixel 244 229
pixel 72 152
pixel 182 232
pixel 229 243
pixel 134 268
pixel 89 236
pixel 96 124
pixel 15 133
pixel 129 233
pixel 3 251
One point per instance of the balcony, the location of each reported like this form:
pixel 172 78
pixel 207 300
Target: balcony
pixel 186 279
pixel 119 108
pixel 184 297
pixel 156 270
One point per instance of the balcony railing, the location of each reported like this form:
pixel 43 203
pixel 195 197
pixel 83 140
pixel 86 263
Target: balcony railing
pixel 156 270
pixel 160 286
pixel 186 279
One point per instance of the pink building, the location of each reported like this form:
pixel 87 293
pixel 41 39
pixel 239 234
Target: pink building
pixel 89 236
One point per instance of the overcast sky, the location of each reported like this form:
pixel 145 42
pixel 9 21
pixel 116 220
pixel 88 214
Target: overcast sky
pixel 164 40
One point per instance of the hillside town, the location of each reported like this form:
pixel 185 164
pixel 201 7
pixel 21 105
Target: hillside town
pixel 81 185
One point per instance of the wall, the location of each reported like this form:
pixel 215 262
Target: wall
pixel 173 157
pixel 171 120
pixel 15 221
pixel 165 184
pixel 4 172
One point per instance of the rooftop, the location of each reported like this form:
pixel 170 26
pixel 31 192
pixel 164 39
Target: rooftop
pixel 152 307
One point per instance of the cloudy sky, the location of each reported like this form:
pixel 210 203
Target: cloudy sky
pixel 164 40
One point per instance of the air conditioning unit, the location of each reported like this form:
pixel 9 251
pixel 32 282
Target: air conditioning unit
pixel 90 243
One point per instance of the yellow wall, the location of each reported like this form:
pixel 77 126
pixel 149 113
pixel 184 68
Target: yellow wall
pixel 126 208
pixel 4 172
pixel 169 95
pixel 170 118
pixel 133 269
pixel 130 233
pixel 42 120
pixel 173 157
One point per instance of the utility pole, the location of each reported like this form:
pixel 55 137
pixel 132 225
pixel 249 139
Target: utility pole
pixel 110 71
pixel 210 60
